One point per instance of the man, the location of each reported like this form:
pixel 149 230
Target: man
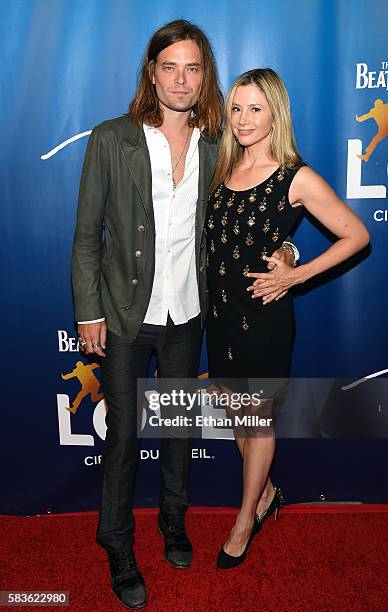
pixel 139 275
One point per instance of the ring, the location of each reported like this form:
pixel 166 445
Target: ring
pixel 95 344
pixel 82 342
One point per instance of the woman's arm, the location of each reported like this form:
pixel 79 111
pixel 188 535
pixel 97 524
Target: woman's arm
pixel 310 190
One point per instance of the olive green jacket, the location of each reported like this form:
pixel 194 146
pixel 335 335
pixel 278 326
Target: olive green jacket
pixel 113 261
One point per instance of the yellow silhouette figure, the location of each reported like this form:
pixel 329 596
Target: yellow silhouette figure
pixel 89 383
pixel 379 113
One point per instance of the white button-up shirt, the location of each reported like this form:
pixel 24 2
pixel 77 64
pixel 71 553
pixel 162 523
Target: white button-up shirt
pixel 175 288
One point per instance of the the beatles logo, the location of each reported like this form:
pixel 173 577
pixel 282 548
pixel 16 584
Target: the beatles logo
pixel 90 387
pixel 355 189
pixel 89 384
pixel 379 113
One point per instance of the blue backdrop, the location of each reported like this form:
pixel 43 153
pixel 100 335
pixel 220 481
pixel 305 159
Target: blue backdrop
pixel 69 64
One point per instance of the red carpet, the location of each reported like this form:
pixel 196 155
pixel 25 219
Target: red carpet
pixel 312 559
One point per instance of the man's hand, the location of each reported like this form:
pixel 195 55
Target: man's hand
pixel 285 254
pixel 214 391
pixel 273 285
pixel 94 334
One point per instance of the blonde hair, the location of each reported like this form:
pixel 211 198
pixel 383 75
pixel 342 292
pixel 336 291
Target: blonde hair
pixel 282 147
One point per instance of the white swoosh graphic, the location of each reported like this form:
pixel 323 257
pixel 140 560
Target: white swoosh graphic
pixel 64 144
pixel 358 382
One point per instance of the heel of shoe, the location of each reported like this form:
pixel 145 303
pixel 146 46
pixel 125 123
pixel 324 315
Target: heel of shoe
pixel 280 502
pixel 274 508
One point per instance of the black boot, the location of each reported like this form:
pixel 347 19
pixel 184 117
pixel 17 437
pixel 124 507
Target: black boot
pixel 127 581
pixel 178 550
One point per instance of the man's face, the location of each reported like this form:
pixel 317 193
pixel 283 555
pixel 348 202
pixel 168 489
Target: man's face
pixel 178 74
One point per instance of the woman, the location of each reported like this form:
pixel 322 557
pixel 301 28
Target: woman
pixel 260 189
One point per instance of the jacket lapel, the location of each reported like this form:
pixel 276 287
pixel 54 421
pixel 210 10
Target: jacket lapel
pixel 208 152
pixel 134 149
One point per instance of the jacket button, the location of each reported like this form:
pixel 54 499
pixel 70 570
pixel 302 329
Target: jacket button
pixel 138 253
pixel 135 281
pixel 201 269
pixel 141 228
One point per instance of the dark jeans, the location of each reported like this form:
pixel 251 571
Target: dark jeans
pixel 177 350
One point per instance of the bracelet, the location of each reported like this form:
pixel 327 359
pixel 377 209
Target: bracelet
pixel 294 248
pixel 287 247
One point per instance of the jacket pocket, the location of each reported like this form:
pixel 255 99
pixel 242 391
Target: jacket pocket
pixel 117 284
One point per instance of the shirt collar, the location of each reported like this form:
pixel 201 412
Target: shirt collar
pixel 148 128
pixel 195 136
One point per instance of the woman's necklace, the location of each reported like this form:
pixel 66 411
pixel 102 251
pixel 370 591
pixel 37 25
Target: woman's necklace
pixel 179 159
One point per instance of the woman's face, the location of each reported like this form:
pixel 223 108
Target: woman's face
pixel 251 117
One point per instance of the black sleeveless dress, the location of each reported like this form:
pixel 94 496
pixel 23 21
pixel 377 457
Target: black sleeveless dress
pixel 244 337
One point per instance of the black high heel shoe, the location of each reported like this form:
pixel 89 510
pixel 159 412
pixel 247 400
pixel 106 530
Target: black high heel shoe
pixel 277 502
pixel 225 561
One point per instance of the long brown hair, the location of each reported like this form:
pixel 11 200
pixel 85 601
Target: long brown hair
pixel 208 110
pixel 282 146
